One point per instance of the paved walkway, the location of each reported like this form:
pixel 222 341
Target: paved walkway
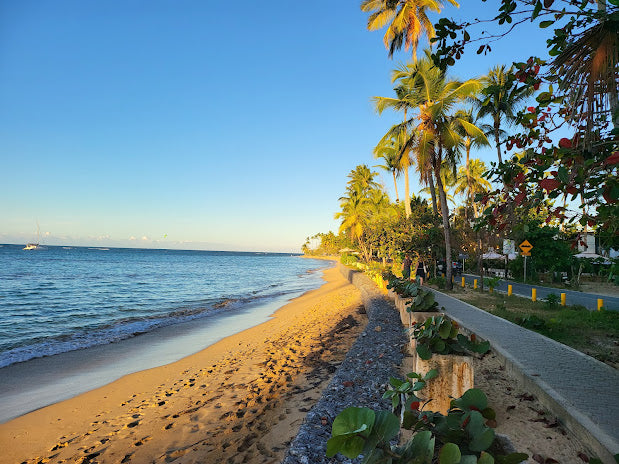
pixel 588 300
pixel 581 391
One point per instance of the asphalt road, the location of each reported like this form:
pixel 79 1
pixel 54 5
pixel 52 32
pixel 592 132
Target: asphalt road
pixel 588 300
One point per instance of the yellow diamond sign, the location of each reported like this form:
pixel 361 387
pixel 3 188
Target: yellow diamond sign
pixel 526 248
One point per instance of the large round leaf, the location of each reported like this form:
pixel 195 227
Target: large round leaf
pixel 449 454
pixel 353 420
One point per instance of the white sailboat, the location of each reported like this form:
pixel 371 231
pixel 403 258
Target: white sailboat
pixel 34 246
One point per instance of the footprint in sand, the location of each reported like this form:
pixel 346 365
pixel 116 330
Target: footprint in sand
pixel 142 441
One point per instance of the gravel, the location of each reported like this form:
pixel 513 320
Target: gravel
pixel 360 380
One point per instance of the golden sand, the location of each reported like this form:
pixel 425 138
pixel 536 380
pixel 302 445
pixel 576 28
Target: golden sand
pixel 239 400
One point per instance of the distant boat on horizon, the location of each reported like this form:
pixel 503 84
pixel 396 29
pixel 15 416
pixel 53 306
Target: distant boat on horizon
pixel 34 246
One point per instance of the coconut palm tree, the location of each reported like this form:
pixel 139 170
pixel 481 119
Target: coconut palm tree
pixel 466 170
pixel 471 181
pixel 406 21
pixel 400 134
pixel 439 130
pixel 500 99
pixel 364 199
pixel 363 178
pixel 588 69
pixel 390 153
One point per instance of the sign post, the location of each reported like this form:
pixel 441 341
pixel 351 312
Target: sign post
pixel 526 251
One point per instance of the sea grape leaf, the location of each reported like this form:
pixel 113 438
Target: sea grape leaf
pixel 424 352
pixel 482 441
pixel 485 458
pixel 444 329
pixel 449 454
pixel 349 445
pixel 420 449
pixel 352 421
pixel 386 426
pixel 473 397
pixel 512 458
pixel 489 414
pixel 469 459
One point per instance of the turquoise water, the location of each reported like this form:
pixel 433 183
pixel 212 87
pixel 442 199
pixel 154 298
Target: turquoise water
pixel 59 299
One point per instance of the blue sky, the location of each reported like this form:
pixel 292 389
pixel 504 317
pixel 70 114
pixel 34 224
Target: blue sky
pixel 193 124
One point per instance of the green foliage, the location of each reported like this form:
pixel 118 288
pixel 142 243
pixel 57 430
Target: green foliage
pixel 462 436
pixel 330 244
pixel 492 282
pixel 438 281
pixel 552 300
pixel 422 299
pixel 350 430
pixel 439 335
pixel 348 259
pixel 532 322
pixel 402 392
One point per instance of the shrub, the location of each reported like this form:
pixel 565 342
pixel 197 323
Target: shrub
pixel 552 301
pixel 438 281
pixel 439 335
pixel 462 436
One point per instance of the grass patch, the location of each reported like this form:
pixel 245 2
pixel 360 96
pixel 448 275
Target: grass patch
pixel 595 333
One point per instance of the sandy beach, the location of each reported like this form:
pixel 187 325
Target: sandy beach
pixel 239 400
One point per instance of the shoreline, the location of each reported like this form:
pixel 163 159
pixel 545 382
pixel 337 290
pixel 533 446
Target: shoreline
pixel 42 381
pixel 138 399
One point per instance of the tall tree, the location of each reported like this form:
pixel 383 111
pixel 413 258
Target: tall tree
pixel 389 151
pixel 364 200
pixel 471 181
pixel 406 21
pixel 439 136
pixel 500 99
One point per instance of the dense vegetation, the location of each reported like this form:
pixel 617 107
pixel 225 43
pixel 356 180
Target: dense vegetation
pixel 547 189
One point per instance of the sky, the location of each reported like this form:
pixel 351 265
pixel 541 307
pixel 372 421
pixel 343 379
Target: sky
pixel 195 124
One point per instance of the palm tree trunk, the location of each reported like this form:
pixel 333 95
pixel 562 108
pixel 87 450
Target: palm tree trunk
pixel 433 194
pixel 395 184
pixel 407 197
pixel 496 138
pixel 469 187
pixel 446 228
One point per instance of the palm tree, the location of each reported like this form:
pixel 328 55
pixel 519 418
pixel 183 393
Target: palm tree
pixel 363 178
pixel 471 181
pixel 364 199
pixel 500 99
pixel 399 135
pixel 407 21
pixel 389 151
pixel 588 67
pixel 469 143
pixel 439 130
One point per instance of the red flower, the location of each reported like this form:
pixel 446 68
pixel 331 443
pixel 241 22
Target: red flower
pixel 565 143
pixel 415 405
pixel 531 109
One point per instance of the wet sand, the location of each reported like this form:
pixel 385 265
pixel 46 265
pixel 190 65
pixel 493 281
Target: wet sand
pixel 239 400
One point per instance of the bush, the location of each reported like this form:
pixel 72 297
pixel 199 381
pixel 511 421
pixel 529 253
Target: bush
pixel 438 281
pixel 552 301
pixel 348 259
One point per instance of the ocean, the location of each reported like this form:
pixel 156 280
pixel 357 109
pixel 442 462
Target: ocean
pixel 60 299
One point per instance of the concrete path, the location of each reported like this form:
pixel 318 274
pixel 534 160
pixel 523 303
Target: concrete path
pixel 581 391
pixel 588 300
